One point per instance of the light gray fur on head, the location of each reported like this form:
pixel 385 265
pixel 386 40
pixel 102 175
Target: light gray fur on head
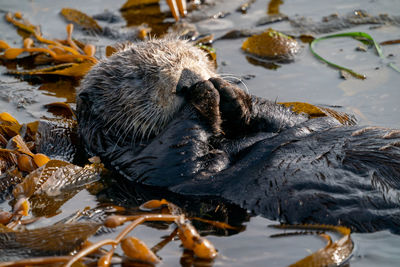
pixel 133 92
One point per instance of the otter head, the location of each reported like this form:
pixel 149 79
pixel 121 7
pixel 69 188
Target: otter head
pixel 133 93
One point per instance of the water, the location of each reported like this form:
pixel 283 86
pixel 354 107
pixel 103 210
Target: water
pixel 375 101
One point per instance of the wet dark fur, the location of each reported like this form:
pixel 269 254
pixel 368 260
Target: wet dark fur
pixel 286 167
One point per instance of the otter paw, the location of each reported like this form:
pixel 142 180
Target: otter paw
pixel 235 106
pixel 206 99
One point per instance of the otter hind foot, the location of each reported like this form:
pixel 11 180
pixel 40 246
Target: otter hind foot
pixel 224 106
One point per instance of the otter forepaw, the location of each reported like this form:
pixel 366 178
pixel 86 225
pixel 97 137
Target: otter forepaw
pixel 205 98
pixel 225 107
pixel 235 105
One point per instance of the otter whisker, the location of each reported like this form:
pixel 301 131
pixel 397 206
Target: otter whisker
pixel 120 126
pixel 139 121
pixel 229 75
pixel 238 79
pixel 121 134
pixel 154 124
pixel 127 132
pixel 145 125
pixel 124 133
pixel 117 118
pixel 114 121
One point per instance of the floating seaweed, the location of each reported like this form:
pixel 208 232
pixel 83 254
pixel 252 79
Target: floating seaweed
pixel 361 36
pixel 333 254
pixel 390 42
pixel 271 45
pixel 35 175
pixel 76 59
pixel 81 19
pixel 54 240
pixel 273 7
pixel 137 250
pixel 317 111
pixel 134 249
pixel 139 12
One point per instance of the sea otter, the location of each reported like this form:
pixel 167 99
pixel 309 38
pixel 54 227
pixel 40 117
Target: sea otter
pixel 158 113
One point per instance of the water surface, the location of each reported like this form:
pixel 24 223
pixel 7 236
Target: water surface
pixel 374 101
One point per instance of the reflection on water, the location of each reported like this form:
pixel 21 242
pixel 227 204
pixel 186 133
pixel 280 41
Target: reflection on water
pixel 374 101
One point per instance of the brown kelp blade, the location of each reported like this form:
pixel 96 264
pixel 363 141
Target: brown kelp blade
pixel 50 186
pixel 66 69
pixel 81 19
pixel 317 111
pixel 333 254
pixel 58 239
pixel 271 45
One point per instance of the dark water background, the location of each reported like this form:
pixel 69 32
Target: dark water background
pixel 374 101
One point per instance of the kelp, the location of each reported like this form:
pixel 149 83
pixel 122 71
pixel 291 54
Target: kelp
pixel 81 19
pixel 390 42
pixel 39 187
pixel 58 239
pixel 9 126
pixel 211 53
pixel 150 15
pixel 269 19
pixel 317 111
pixel 263 63
pixel 139 12
pixel 138 3
pixel 137 250
pixel 55 178
pixel 361 36
pixel 28 172
pixel 333 254
pixel 15 152
pixel 66 69
pixel 22 24
pixel 273 7
pixel 62 109
pixel 271 45
pixel 76 59
pixel 55 184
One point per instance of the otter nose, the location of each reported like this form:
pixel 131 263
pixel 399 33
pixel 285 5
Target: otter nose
pixel 187 79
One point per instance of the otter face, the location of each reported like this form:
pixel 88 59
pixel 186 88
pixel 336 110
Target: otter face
pixel 133 93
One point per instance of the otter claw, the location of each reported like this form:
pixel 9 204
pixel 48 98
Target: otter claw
pixel 177 7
